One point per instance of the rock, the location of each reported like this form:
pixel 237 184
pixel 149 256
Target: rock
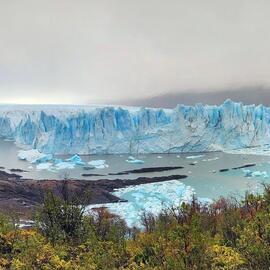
pixel 17 170
pixel 88 168
pixel 24 195
pixel 91 174
pixel 148 170
pixel 244 166
pixel 224 170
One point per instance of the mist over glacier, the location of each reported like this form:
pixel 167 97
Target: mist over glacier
pixel 113 129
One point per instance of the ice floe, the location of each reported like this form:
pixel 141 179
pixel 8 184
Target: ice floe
pixel 76 160
pixel 133 160
pixel 34 156
pixel 151 197
pixel 65 166
pixel 44 166
pixel 211 159
pixel 98 163
pixel 48 162
pixel 260 151
pixel 249 173
pixel 194 157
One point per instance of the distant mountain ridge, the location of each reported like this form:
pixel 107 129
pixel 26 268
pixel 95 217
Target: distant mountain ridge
pixel 248 95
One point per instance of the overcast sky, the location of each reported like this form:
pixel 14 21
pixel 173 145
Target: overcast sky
pixel 102 51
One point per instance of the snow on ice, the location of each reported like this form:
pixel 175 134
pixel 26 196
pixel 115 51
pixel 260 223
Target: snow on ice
pixel 148 198
pixel 116 130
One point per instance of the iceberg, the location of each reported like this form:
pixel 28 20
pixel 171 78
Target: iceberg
pixel 44 166
pixel 153 198
pixel 194 157
pixel 98 164
pixel 134 160
pixel 65 166
pixel 211 159
pixel 34 156
pixel 76 160
pixel 43 158
pixel 249 173
pixel 231 127
pixel 57 160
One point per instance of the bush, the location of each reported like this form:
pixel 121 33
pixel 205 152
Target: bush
pixel 61 220
pixel 227 235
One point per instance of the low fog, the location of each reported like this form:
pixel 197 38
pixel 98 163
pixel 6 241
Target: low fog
pixel 111 51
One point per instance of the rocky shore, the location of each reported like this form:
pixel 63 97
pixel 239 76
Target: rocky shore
pixel 22 196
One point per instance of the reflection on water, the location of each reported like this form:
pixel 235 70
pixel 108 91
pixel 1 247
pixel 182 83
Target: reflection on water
pixel 204 176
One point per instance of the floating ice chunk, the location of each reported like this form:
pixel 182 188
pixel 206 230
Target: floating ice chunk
pixel 98 164
pixel 103 166
pixel 65 166
pixel 8 140
pixel 44 166
pixel 57 160
pixel 159 156
pixel 34 156
pixel 194 157
pixel 76 160
pixel 133 160
pixel 151 197
pixel 44 158
pixel 211 159
pixel 28 155
pixel 259 173
pixel 193 163
pixel 256 173
pixel 249 173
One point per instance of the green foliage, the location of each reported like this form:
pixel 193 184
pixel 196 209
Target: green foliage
pixel 228 235
pixel 61 220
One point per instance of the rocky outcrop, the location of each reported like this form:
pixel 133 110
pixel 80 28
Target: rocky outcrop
pixel 24 195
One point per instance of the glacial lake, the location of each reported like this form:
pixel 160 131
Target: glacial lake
pixel 204 177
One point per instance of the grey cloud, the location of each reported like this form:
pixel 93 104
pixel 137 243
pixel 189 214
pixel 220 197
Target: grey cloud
pixel 66 51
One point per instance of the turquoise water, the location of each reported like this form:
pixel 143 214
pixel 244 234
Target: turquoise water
pixel 204 177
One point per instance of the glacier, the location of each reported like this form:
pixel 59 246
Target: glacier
pixel 87 130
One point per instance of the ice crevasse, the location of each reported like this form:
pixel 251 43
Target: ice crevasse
pixel 114 129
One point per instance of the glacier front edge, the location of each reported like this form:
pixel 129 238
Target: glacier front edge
pixel 116 129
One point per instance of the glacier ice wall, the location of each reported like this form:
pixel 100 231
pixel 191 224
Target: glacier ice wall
pixel 112 129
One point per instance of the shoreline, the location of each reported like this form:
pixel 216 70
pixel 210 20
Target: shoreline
pixel 23 196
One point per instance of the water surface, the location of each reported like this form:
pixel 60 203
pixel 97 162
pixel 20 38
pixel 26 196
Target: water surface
pixel 204 177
